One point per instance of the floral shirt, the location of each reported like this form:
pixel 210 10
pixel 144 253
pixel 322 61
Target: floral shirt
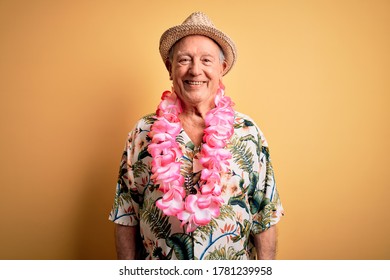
pixel 251 200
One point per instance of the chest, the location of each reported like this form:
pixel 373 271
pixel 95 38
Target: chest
pixel 195 133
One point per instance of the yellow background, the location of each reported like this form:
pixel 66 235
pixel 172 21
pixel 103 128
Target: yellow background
pixel 76 75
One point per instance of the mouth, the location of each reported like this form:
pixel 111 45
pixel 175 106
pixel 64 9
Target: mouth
pixel 194 83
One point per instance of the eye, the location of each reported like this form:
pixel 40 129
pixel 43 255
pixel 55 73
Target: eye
pixel 184 60
pixel 207 60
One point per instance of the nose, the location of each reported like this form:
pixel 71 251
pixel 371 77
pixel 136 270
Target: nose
pixel 195 68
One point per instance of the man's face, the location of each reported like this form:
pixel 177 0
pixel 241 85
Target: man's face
pixel 196 70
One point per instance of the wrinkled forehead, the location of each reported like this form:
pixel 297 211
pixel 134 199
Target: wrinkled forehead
pixel 196 42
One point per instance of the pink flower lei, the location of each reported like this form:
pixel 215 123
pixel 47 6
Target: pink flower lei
pixel 192 209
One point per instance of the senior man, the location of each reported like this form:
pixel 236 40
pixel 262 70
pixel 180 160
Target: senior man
pixel 196 180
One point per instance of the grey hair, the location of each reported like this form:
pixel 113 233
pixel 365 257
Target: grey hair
pixel 221 54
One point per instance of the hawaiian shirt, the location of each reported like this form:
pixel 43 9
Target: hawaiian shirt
pixel 251 200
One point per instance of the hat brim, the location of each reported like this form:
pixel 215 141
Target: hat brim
pixel 174 34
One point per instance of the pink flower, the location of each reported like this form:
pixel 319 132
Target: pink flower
pixel 224 102
pixel 219 117
pixel 176 184
pixel 215 158
pixel 223 129
pixel 211 175
pixel 171 203
pixel 167 173
pixel 217 137
pixel 167 147
pixel 199 210
pixel 169 104
pixel 212 179
pixel 212 188
pixel 168 123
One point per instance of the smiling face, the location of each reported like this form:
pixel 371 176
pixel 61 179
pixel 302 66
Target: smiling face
pixel 196 69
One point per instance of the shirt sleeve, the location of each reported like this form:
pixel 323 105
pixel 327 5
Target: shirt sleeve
pixel 271 209
pixel 124 209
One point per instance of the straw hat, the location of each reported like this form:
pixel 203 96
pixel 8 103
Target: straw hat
pixel 198 24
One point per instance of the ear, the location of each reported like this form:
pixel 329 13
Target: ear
pixel 224 65
pixel 168 65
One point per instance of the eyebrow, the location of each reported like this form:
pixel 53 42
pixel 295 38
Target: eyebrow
pixel 185 53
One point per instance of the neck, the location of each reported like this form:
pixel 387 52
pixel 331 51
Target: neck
pixel 197 111
pixel 193 124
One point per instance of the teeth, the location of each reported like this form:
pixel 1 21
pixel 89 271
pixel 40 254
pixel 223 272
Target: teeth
pixel 194 83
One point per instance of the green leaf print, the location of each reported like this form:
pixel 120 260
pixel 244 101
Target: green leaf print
pixel 240 201
pixel 254 178
pixel 255 202
pixel 244 123
pixel 204 232
pixel 150 119
pixel 181 244
pixel 255 141
pixel 157 220
pixel 266 217
pixel 180 139
pixel 121 199
pixel 241 153
pixel 190 145
pixel 248 123
pixel 264 203
pixel 243 232
pixel 134 196
pixel 139 167
pixel 222 254
pixel 143 153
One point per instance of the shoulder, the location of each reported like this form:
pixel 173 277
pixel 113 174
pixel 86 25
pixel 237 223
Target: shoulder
pixel 245 125
pixel 142 126
pixel 243 119
pixel 144 123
